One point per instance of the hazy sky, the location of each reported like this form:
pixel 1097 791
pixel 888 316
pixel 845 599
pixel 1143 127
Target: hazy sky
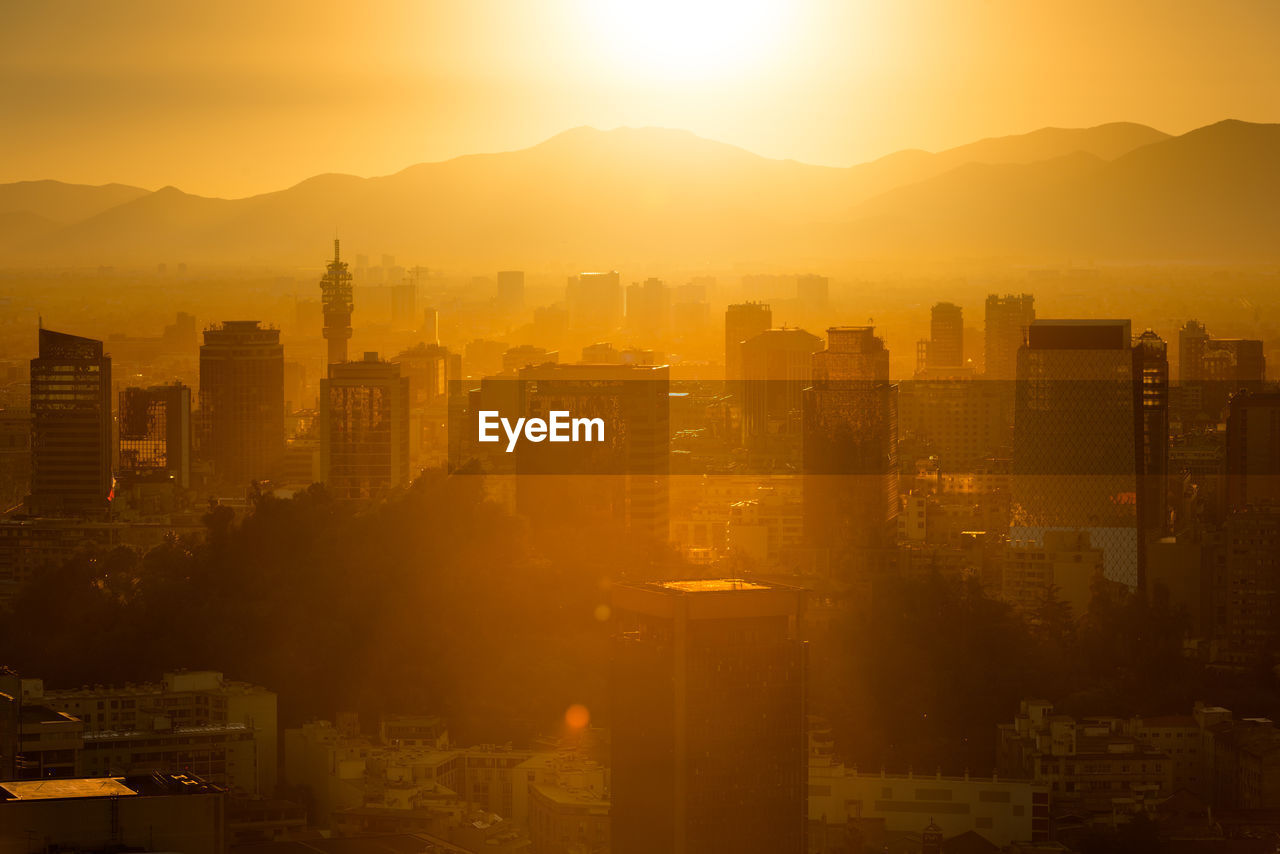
pixel 245 96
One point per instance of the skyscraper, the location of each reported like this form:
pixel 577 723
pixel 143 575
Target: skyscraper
pixel 623 479
pixel 594 301
pixel 71 427
pixel 1151 378
pixel 776 368
pixel 364 428
pixel 155 434
pixel 946 337
pixel 335 297
pixel 1212 369
pixel 1088 421
pixel 812 292
pixel 850 445
pixel 648 309
pixel 741 322
pixel 1253 450
pixel 1007 320
pixel 511 290
pixel 242 400
pixel 709 742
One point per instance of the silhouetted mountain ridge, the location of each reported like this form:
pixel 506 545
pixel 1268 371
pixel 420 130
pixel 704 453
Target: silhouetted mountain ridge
pixel 652 196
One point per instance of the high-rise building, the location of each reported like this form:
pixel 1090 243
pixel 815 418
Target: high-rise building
pixel 242 400
pixel 621 480
pixel 850 445
pixel 594 301
pixel 336 299
pixel 1088 433
pixel 776 368
pixel 945 348
pixel 1244 585
pixel 155 434
pixel 741 322
pixel 71 427
pixel 1151 377
pixel 364 428
pixel 511 290
pixel 648 308
pixel 1253 450
pixel 1007 320
pixel 1210 370
pixel 812 292
pixel 709 743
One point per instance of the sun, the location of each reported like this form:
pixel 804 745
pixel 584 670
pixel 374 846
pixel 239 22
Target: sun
pixel 687 39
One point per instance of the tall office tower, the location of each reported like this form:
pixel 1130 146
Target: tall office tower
pixel 946 338
pixel 1007 320
pixel 812 292
pixel 709 749
pixel 594 301
pixel 850 445
pixel 364 429
pixel 1244 586
pixel 71 427
pixel 1079 426
pixel 242 400
pixel 155 434
pixel 1151 379
pixel 648 309
pixel 404 306
pixel 511 290
pixel 1212 369
pixel 1253 450
pixel 621 480
pixel 741 321
pixel 776 368
pixel 335 297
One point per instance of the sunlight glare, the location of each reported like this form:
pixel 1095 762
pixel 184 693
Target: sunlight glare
pixel 687 39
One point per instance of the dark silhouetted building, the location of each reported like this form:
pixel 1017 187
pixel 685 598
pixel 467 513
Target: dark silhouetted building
pixel 336 303
pixel 71 427
pixel 364 429
pixel 850 445
pixel 155 434
pixel 1089 420
pixel 1210 370
pixel 944 351
pixel 620 481
pixel 1007 320
pixel 242 400
pixel 709 744
pixel 741 322
pixel 1253 450
pixel 776 368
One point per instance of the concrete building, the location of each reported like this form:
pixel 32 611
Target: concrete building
pixel 364 429
pixel 595 302
pixel 1000 810
pixel 189 722
pixel 1007 320
pixel 741 323
pixel 1063 561
pixel 71 458
pixel 242 401
pixel 709 744
pixel 156 812
pixel 155 435
pixel 1092 764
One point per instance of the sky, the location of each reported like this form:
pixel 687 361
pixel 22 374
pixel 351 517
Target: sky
pixel 241 97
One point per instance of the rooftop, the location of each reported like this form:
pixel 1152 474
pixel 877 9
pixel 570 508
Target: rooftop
pixel 713 585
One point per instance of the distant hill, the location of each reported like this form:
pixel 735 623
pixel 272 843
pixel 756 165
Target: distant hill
pixel 64 203
pixel 646 197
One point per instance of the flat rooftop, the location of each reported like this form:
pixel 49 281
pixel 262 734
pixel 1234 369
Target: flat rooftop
pixel 713 585
pixel 52 789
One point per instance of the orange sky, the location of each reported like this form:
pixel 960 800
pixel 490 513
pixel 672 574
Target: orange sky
pixel 237 97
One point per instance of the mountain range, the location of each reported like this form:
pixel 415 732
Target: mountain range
pixel 588 198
